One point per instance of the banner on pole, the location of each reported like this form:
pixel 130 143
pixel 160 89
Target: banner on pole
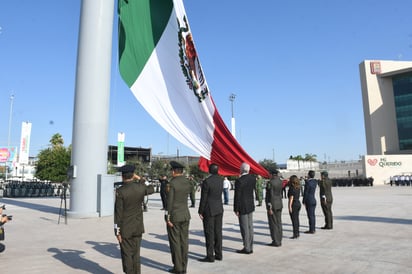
pixel 25 143
pixel 120 149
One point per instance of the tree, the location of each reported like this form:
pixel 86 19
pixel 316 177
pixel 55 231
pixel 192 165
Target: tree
pixel 159 168
pixel 54 161
pixel 111 168
pixel 142 169
pixel 56 140
pixel 298 158
pixel 310 157
pixel 152 170
pixel 197 174
pixel 269 165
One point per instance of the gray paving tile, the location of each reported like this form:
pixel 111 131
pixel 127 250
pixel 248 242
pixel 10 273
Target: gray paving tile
pixel 372 234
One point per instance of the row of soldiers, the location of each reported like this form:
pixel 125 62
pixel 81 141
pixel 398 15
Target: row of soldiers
pixel 352 181
pixel 31 189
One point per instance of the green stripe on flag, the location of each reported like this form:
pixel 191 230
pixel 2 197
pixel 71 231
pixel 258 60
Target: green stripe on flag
pixel 141 25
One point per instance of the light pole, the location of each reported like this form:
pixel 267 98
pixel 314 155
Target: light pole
pixel 9 134
pixel 232 100
pixel 273 154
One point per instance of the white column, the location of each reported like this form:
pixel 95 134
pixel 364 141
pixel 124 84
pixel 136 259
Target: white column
pixel 91 106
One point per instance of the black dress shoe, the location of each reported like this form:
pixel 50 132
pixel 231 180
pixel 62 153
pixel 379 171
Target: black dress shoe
pixel 206 260
pixel 219 258
pixel 309 232
pixel 244 251
pixel 173 270
pixel 274 244
pixel 293 237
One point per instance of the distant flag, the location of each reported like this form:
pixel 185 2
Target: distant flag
pixel 159 62
pixel 24 143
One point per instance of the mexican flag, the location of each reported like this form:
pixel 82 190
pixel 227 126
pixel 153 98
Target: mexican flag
pixel 159 62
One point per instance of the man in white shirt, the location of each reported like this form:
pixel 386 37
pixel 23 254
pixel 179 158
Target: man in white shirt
pixel 226 187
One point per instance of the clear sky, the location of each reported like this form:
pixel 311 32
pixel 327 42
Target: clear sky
pixel 293 65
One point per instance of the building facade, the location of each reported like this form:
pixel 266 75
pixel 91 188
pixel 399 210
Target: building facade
pixel 387 105
pixel 136 153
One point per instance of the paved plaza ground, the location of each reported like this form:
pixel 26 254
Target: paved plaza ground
pixel 372 234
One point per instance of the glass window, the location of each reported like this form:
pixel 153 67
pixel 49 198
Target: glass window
pixel 402 87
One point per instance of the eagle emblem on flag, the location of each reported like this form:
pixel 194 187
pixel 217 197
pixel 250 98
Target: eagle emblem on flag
pixel 189 62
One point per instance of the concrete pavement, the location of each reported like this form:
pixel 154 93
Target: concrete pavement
pixel 372 234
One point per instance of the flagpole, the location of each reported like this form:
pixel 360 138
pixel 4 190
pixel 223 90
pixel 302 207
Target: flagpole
pixel 91 109
pixel 9 133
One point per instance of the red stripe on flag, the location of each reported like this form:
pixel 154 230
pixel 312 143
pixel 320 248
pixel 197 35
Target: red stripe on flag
pixel 227 152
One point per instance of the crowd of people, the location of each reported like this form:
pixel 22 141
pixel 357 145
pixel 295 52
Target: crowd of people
pixel 128 219
pixel 17 189
pixel 401 180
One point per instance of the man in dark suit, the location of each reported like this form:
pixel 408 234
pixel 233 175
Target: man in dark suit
pixel 128 218
pixel 309 201
pixel 177 218
pixel 326 199
pixel 274 207
pixel 244 206
pixel 211 213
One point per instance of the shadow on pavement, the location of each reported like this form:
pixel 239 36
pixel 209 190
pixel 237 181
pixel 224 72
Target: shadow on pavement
pixel 109 249
pixel 375 219
pixel 72 258
pixel 34 206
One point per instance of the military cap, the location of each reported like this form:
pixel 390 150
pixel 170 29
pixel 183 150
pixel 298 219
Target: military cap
pixel 324 173
pixel 176 165
pixel 274 172
pixel 126 169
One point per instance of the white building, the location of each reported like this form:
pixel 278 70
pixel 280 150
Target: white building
pixel 387 106
pixel 294 165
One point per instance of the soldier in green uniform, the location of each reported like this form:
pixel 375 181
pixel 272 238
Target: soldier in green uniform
pixel 259 190
pixel 128 218
pixel 177 218
pixel 193 192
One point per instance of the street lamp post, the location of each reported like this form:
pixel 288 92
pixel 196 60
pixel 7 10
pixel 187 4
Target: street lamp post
pixel 9 134
pixel 273 154
pixel 232 100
